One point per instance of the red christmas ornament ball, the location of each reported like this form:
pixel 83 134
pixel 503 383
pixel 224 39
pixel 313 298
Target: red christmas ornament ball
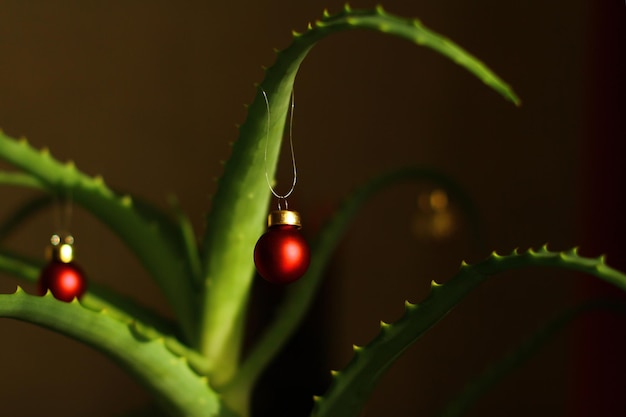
pixel 281 254
pixel 65 281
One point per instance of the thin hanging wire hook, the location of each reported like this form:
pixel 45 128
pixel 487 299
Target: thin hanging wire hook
pixel 293 156
pixel 63 212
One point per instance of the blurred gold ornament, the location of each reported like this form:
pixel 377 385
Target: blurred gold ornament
pixel 435 218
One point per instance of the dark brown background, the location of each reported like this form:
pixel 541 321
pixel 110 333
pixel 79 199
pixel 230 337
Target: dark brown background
pixel 147 93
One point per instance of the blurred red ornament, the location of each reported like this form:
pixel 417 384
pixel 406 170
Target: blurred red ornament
pixel 65 281
pixel 281 254
pixel 62 276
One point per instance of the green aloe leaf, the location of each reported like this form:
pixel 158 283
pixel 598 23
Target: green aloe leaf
pixel 238 214
pixel 301 295
pixel 177 232
pixel 146 236
pixel 97 297
pixel 101 298
pixel 146 355
pixel 351 387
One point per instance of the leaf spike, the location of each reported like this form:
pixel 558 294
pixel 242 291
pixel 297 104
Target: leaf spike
pixel 531 251
pixel 357 348
pixel 347 8
pixel 515 251
pixel 309 26
pixel 574 251
pixel 22 140
pixel 383 324
pixel 126 200
pixel 317 398
pixel 434 284
pixel 384 27
pixel 602 258
pixel 98 179
pixel 464 264
pixel 495 255
pixel 296 34
pixel 380 9
pixel 408 305
pixel 544 248
pixel 44 151
pixel 325 13
pixel 334 373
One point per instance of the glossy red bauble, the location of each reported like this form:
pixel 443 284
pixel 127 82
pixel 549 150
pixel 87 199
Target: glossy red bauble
pixel 65 281
pixel 282 255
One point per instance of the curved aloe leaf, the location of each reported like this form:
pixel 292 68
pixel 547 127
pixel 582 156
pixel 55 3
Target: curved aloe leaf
pixel 351 387
pixel 176 386
pixel 96 298
pixel 494 373
pixel 20 178
pixel 117 306
pixel 238 214
pixel 144 236
pixel 301 295
pixel 178 232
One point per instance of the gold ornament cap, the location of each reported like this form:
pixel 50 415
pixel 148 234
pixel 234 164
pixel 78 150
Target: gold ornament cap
pixel 284 217
pixel 61 249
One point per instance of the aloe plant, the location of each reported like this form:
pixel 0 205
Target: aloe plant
pixel 195 366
